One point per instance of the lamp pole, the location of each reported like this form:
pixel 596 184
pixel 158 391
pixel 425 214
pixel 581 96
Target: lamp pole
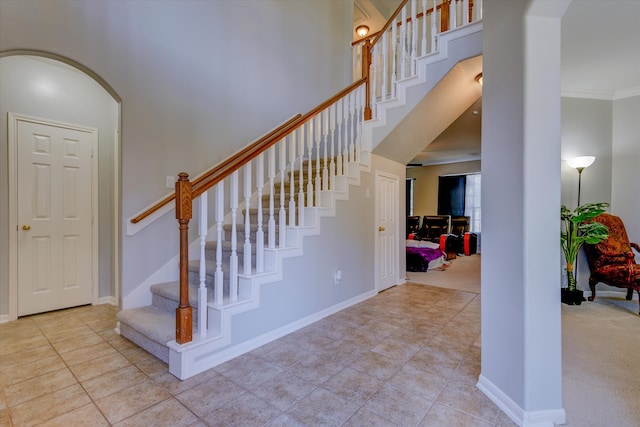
pixel 580 169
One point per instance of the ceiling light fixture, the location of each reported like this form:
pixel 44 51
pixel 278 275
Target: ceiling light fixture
pixel 362 30
pixel 479 79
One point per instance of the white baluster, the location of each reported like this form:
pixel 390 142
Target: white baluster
pixel 219 277
pixel 452 15
pixel 324 116
pixel 414 36
pixel 309 127
pixel 478 10
pixel 434 26
pixel 271 226
pixel 352 129
pixel 360 121
pixel 332 138
pixel 465 12
pixel 376 62
pixel 233 261
pixel 300 131
pixel 385 64
pixel 282 214
pixel 293 143
pixel 340 120
pixel 260 232
pixel 317 142
pixel 202 289
pixel 247 219
pixel 424 27
pixel 394 48
pixel 403 44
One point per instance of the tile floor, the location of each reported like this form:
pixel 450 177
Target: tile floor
pixel 408 357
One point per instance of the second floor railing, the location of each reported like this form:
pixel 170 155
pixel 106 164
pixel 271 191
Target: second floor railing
pixel 391 54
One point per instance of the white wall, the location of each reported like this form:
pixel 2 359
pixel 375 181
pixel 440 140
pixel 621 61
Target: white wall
pixel 625 180
pixel 521 346
pixel 49 89
pixel 198 80
pixel 346 243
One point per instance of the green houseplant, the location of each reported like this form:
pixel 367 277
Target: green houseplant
pixel 576 229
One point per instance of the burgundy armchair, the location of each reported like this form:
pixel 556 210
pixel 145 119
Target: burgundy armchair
pixel 612 261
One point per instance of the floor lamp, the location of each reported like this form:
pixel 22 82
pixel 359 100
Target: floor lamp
pixel 580 163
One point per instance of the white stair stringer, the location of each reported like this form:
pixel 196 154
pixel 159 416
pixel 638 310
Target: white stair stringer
pixel 203 353
pixel 453 46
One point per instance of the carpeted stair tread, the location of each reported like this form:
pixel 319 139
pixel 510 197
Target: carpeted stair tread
pixel 171 291
pixel 156 324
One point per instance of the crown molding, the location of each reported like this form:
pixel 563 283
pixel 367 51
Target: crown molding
pixel 600 94
pixel 626 93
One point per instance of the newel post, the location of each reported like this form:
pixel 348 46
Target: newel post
pixel 184 213
pixel 366 65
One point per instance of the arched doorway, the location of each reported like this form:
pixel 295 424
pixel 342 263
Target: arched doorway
pixel 45 86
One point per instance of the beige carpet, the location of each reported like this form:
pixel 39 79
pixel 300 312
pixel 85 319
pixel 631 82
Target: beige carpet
pixel 600 349
pixel 600 362
pixel 462 273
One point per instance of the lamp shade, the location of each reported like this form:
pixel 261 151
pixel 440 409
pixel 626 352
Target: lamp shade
pixel 581 162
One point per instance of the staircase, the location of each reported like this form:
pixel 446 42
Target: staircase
pixel 264 209
pixel 152 327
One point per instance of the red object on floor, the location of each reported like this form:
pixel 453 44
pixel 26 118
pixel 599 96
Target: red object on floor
pixel 470 243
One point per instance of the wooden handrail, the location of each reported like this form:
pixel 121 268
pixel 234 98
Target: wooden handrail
pixel 389 21
pixel 211 171
pixel 409 19
pixel 226 168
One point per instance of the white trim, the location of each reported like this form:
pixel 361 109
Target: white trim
pixel 626 93
pixel 12 142
pixel 4 318
pixel 108 300
pixel 115 254
pixel 396 252
pixel 195 357
pixel 600 94
pixel 547 418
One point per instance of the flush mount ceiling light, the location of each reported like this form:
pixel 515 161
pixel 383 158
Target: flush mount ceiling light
pixel 362 30
pixel 479 79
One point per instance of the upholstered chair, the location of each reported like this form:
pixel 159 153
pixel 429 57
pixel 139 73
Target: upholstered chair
pixel 612 261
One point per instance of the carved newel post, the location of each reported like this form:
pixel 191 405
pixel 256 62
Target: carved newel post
pixel 184 212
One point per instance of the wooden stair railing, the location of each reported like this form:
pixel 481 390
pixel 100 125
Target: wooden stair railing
pixel 187 191
pixel 389 55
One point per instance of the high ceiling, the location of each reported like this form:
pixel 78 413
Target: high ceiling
pixel 600 60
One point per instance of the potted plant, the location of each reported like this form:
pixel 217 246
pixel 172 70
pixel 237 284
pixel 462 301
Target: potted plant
pixel 577 229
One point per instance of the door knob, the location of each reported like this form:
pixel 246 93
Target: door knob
pixel 26 227
pixel 381 228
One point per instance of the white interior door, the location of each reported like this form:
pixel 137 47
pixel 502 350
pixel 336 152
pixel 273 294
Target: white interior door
pixel 387 208
pixel 54 216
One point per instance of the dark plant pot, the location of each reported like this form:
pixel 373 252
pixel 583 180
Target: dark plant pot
pixel 571 297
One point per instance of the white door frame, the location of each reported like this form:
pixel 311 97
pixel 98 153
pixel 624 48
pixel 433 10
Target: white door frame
pixel 396 252
pixel 13 119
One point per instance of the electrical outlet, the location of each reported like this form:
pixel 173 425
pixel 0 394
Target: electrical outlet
pixel 337 277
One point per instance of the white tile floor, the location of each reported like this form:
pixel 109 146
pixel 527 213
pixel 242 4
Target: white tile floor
pixel 407 357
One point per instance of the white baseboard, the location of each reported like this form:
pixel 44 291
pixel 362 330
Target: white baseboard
pixel 107 300
pixel 547 418
pixel 4 318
